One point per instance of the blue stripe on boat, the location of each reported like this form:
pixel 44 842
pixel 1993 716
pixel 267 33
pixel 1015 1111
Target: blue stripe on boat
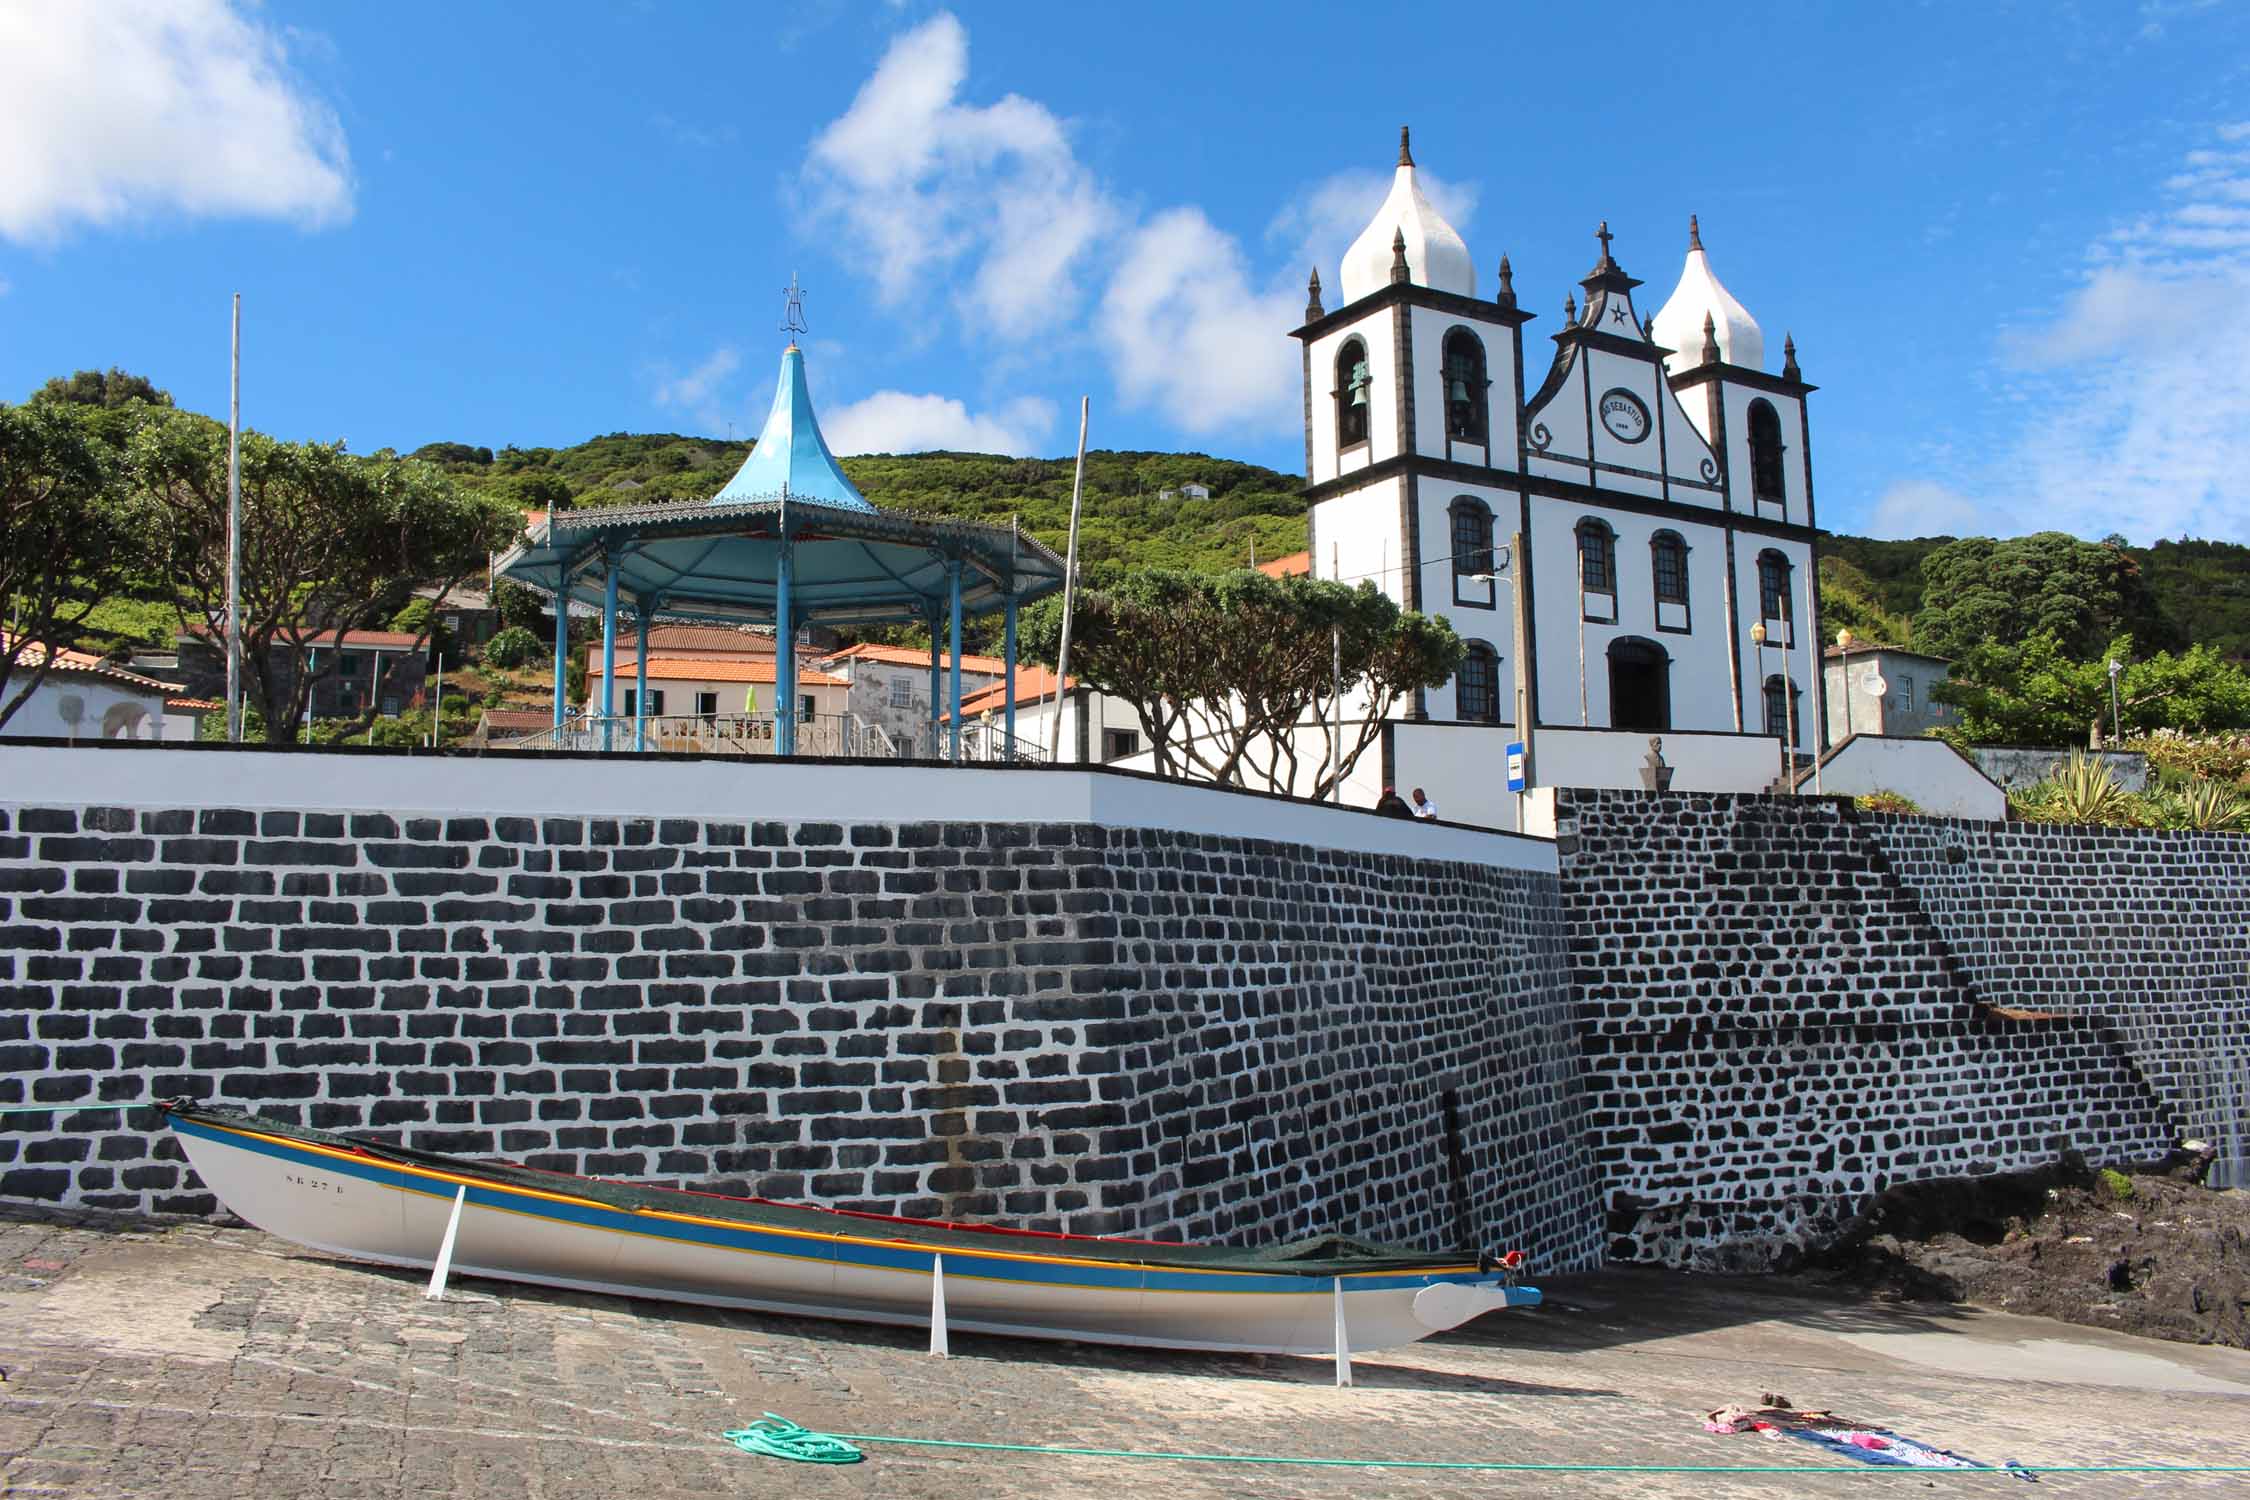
pixel 990 1265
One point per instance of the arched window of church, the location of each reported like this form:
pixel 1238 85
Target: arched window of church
pixel 1353 392
pixel 1472 551
pixel 1465 387
pixel 1667 565
pixel 1773 586
pixel 1597 557
pixel 1765 453
pixel 1476 685
pixel 1777 705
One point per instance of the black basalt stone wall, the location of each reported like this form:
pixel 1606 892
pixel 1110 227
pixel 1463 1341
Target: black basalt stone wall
pixel 1050 1024
pixel 1774 1029
pixel 2147 930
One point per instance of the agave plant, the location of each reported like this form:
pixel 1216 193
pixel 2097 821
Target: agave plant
pixel 2213 807
pixel 2084 790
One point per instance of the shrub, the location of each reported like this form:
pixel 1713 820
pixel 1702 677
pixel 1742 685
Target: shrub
pixel 1886 802
pixel 2211 808
pixel 2219 758
pixel 511 648
pixel 2081 790
pixel 2116 1183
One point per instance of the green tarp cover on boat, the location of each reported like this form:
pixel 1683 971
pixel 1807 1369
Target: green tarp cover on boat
pixel 1320 1255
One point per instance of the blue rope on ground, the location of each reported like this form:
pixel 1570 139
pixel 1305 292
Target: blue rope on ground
pixel 778 1437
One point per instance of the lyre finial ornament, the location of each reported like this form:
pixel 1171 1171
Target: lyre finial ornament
pixel 792 308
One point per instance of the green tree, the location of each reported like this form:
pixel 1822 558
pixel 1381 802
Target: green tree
pixel 113 387
pixel 2037 693
pixel 1233 675
pixel 331 543
pixel 70 535
pixel 1979 589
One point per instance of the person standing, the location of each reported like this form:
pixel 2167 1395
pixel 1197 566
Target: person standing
pixel 1423 806
pixel 1393 805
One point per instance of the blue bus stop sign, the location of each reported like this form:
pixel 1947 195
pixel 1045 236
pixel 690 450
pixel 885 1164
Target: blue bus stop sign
pixel 1515 766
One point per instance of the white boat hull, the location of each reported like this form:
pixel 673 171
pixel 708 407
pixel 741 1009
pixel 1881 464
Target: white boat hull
pixel 381 1210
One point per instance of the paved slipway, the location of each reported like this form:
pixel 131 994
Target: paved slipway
pixel 188 1360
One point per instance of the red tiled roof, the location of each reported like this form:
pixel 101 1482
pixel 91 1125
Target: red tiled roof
pixel 86 664
pixel 713 669
pixel 1033 685
pixel 1284 567
pixel 194 705
pixel 908 656
pixel 706 638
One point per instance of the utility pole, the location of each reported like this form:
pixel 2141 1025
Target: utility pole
pixel 234 534
pixel 2116 732
pixel 1070 589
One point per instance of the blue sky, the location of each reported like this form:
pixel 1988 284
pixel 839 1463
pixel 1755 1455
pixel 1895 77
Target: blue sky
pixel 2012 241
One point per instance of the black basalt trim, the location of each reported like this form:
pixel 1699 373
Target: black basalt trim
pixel 1414 296
pixel 1741 375
pixel 1555 489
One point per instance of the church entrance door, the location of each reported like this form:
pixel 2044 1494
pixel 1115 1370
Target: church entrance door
pixel 1640 685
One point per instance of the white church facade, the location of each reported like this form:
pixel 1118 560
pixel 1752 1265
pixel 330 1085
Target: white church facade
pixel 1649 492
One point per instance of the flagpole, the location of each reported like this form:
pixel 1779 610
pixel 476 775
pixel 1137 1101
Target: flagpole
pixel 1070 585
pixel 234 534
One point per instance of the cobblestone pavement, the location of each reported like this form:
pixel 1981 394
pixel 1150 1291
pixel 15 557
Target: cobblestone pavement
pixel 194 1361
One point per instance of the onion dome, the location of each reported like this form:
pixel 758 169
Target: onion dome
pixel 1434 254
pixel 1679 323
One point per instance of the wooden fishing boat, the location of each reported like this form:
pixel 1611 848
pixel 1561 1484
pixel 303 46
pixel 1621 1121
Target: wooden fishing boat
pixel 394 1206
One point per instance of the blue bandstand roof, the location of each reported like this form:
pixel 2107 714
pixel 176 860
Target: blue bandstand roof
pixel 791 457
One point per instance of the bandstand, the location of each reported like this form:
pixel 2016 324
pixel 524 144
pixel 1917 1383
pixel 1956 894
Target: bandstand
pixel 789 542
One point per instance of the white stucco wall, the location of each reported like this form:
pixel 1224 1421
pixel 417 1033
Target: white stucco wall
pixel 1929 773
pixel 532 784
pixel 1613 758
pixel 137 715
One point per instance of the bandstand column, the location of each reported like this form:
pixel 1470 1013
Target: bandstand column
pixel 562 645
pixel 935 700
pixel 640 679
pixel 609 646
pixel 1008 668
pixel 953 689
pixel 785 652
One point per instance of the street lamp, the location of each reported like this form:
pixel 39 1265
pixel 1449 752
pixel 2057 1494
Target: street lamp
pixel 1844 644
pixel 2116 670
pixel 1758 639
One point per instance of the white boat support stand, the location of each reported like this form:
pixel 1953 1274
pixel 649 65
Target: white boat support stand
pixel 939 1345
pixel 1343 1341
pixel 444 1265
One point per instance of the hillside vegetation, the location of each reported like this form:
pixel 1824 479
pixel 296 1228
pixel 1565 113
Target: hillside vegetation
pixel 1125 522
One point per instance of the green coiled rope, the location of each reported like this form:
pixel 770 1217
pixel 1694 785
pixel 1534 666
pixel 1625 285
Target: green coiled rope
pixel 776 1436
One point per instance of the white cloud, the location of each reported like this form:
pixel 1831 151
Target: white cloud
pixel 697 391
pixel 992 201
pixel 1919 508
pixel 128 108
pixel 896 422
pixel 2134 398
pixel 921 182
pixel 1188 336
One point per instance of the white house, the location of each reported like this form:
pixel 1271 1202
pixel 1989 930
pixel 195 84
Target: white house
pixel 1656 473
pixel 83 697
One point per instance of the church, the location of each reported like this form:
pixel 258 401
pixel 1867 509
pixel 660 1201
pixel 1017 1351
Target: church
pixel 1625 538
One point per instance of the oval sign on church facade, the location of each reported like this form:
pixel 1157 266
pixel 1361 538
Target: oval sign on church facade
pixel 1624 415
